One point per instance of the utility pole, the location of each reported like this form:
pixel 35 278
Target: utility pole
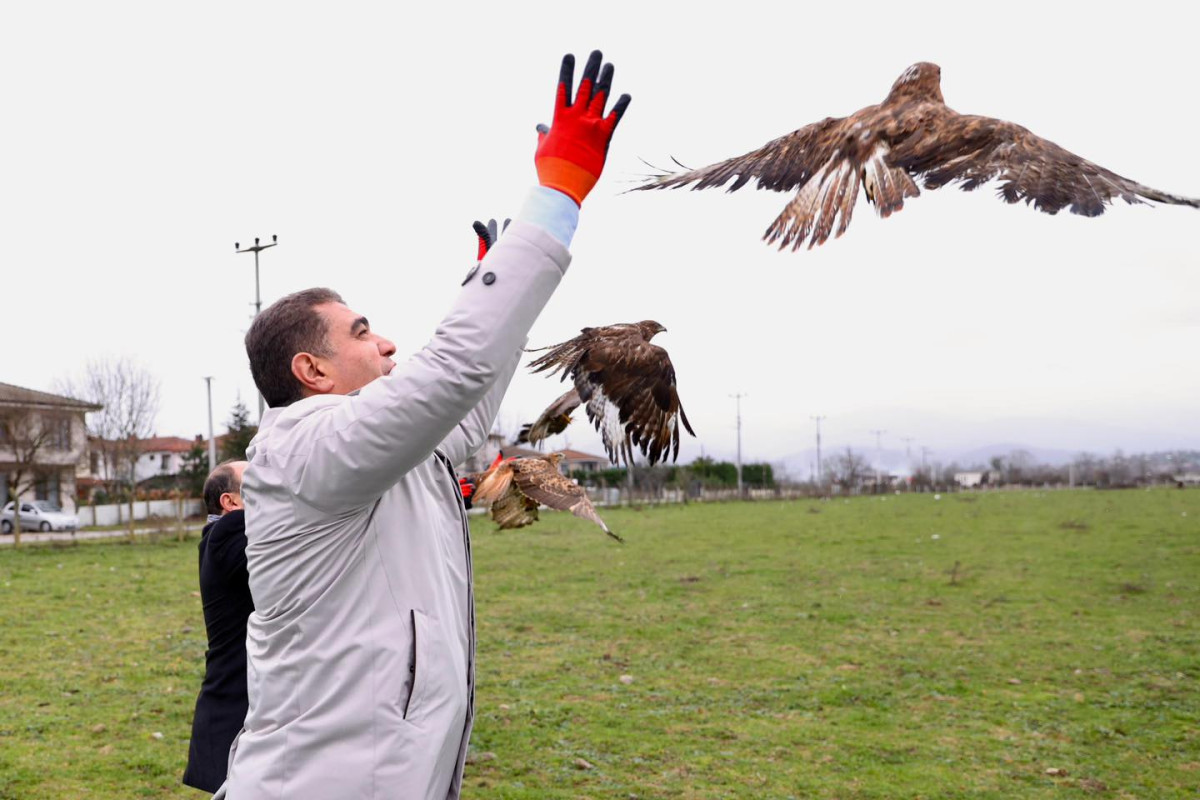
pixel 738 397
pixel 908 440
pixel 924 452
pixel 212 443
pixel 878 457
pixel 256 249
pixel 817 419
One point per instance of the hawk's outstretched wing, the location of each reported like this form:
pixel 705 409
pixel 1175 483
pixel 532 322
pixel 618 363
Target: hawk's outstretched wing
pixel 540 480
pixel 973 150
pixel 554 419
pixel 627 385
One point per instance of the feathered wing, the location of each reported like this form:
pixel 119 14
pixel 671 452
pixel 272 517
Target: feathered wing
pixel 781 165
pixel 627 386
pixel 825 162
pixel 973 150
pixel 541 482
pixel 494 483
pixel 554 419
pixel 514 510
pixel 637 379
pixel 510 508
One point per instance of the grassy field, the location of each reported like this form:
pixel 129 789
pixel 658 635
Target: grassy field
pixel 985 646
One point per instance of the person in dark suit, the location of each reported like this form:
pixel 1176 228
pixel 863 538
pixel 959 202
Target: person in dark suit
pixel 225 592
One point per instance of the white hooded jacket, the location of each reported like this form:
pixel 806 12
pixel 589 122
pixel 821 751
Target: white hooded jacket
pixel 361 647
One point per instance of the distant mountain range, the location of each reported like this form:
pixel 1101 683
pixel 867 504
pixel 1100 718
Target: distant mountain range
pixel 897 462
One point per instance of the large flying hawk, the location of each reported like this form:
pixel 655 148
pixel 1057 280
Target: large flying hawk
pixel 911 135
pixel 627 386
pixel 516 487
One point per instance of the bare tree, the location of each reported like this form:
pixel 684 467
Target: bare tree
pixel 24 435
pixel 848 469
pixel 129 395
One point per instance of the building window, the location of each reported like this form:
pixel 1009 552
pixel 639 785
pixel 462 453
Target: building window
pixel 166 462
pixel 58 432
pixel 95 463
pixel 49 488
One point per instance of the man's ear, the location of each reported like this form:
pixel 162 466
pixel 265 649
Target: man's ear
pixel 310 371
pixel 228 503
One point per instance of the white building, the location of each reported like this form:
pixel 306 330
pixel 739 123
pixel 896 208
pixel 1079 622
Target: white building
pixel 44 436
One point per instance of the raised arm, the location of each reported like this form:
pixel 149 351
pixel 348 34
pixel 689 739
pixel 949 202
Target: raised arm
pixel 471 432
pixel 347 452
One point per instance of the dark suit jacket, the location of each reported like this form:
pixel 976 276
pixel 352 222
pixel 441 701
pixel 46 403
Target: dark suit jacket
pixel 221 706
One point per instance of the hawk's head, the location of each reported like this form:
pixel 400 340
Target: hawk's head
pixel 649 328
pixel 921 81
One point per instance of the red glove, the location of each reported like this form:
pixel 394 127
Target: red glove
pixel 570 153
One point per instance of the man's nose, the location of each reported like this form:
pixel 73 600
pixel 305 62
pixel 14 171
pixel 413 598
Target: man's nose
pixel 386 348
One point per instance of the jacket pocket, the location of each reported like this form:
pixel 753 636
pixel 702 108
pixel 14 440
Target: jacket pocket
pixel 419 664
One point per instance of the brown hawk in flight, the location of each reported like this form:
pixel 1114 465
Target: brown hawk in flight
pixel 911 136
pixel 627 385
pixel 516 487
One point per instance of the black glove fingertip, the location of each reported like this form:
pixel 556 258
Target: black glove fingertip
pixel 590 70
pixel 605 83
pixel 620 106
pixel 566 74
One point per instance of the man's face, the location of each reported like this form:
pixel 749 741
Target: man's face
pixel 232 501
pixel 357 354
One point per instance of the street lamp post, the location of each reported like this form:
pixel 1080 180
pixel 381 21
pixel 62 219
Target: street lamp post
pixel 256 249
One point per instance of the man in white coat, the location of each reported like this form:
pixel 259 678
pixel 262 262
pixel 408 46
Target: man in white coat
pixel 361 648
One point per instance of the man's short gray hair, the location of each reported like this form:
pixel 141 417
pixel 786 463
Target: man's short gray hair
pixel 222 480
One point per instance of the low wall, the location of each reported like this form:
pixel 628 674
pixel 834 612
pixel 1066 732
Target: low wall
pixel 117 514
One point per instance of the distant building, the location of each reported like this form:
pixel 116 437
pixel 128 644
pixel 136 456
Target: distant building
pixel 969 480
pixel 60 422
pixel 162 455
pixel 158 457
pixel 577 461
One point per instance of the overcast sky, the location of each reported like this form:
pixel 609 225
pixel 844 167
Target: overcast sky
pixel 140 141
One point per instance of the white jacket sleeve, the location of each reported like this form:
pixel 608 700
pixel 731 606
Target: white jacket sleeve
pixel 471 433
pixel 347 454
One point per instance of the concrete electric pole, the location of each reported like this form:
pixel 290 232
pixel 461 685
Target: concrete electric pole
pixel 256 249
pixel 738 397
pixel 820 474
pixel 878 458
pixel 212 443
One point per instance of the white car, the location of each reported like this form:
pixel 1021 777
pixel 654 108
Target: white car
pixel 38 515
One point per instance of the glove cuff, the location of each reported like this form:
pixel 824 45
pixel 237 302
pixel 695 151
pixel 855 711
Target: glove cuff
pixel 566 176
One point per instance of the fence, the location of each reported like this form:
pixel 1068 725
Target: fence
pixel 118 514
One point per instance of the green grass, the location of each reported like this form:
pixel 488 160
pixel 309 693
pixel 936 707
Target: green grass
pixel 804 649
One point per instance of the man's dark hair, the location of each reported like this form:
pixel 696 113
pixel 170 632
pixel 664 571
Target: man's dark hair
pixel 221 480
pixel 288 326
